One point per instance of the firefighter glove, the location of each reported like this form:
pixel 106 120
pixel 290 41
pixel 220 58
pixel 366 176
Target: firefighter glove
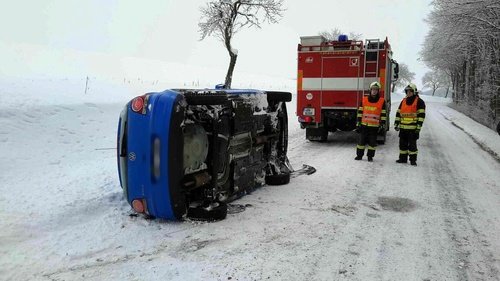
pixel 417 134
pixel 396 128
pixel 358 129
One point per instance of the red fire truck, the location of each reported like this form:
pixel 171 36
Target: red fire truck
pixel 332 78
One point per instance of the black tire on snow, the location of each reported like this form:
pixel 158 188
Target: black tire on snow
pixel 194 98
pixel 278 179
pixel 382 137
pixel 278 96
pixel 317 134
pixel 215 214
pixel 282 145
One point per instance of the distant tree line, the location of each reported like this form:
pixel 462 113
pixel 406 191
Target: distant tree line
pixel 463 50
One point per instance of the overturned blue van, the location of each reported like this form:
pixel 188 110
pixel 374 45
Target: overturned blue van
pixel 187 153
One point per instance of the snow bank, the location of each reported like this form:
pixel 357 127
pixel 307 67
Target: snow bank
pixel 485 137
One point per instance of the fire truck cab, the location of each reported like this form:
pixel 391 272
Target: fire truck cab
pixel 332 78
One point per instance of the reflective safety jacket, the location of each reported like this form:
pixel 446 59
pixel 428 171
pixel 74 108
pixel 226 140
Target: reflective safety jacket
pixel 372 112
pixel 410 114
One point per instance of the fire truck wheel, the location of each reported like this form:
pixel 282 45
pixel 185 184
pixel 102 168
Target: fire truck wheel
pixel 278 96
pixel 203 213
pixel 193 98
pixel 316 134
pixel 381 138
pixel 278 179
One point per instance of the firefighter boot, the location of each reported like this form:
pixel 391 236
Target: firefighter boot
pixel 403 158
pixel 370 154
pixel 359 154
pixel 413 159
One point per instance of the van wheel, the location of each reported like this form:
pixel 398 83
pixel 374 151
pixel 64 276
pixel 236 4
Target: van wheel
pixel 214 212
pixel 278 179
pixel 278 96
pixel 194 98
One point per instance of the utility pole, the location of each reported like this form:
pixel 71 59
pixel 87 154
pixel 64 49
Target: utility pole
pixel 87 85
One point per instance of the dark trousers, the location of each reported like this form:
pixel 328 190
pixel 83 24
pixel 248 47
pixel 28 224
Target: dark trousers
pixel 367 139
pixel 408 145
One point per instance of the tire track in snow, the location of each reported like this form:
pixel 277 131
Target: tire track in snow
pixel 353 215
pixel 353 238
pixel 473 259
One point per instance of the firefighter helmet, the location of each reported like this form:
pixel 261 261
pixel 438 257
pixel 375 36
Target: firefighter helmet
pixel 375 85
pixel 411 87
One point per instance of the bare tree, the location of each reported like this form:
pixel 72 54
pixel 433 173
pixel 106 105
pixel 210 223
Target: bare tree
pixel 444 81
pixel 405 77
pixel 431 80
pixel 334 34
pixel 224 18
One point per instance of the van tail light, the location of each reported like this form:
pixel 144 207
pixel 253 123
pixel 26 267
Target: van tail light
pixel 307 119
pixel 139 205
pixel 139 104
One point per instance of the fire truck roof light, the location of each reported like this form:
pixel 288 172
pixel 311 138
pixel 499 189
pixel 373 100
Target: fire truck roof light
pixel 343 38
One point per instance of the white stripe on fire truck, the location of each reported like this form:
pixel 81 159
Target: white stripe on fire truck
pixel 337 84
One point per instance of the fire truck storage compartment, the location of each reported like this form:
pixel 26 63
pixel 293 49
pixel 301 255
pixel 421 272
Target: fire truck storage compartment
pixel 312 40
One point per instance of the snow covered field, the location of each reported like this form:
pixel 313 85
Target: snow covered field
pixel 63 217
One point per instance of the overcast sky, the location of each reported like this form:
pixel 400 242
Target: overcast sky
pixel 45 35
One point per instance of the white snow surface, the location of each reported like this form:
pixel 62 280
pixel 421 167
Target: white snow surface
pixel 63 215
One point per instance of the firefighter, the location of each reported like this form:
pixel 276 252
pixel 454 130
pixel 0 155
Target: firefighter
pixel 371 116
pixel 409 120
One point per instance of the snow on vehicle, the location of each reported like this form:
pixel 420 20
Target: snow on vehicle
pixel 332 78
pixel 189 152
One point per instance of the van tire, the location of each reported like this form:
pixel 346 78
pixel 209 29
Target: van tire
pixel 278 179
pixel 201 213
pixel 194 98
pixel 278 96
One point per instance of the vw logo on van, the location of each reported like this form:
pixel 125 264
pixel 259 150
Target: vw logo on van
pixel 131 156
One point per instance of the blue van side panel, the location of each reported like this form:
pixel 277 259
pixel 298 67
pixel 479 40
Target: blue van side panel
pixel 142 131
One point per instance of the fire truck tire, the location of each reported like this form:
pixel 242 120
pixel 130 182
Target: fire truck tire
pixel 203 214
pixel 193 98
pixel 278 96
pixel 381 138
pixel 279 179
pixel 316 134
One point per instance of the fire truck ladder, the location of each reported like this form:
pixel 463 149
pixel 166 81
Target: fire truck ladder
pixel 372 47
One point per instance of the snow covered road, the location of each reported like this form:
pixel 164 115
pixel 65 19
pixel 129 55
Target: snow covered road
pixel 62 215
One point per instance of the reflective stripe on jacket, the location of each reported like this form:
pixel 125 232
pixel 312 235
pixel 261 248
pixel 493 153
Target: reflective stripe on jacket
pixel 372 112
pixel 408 115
